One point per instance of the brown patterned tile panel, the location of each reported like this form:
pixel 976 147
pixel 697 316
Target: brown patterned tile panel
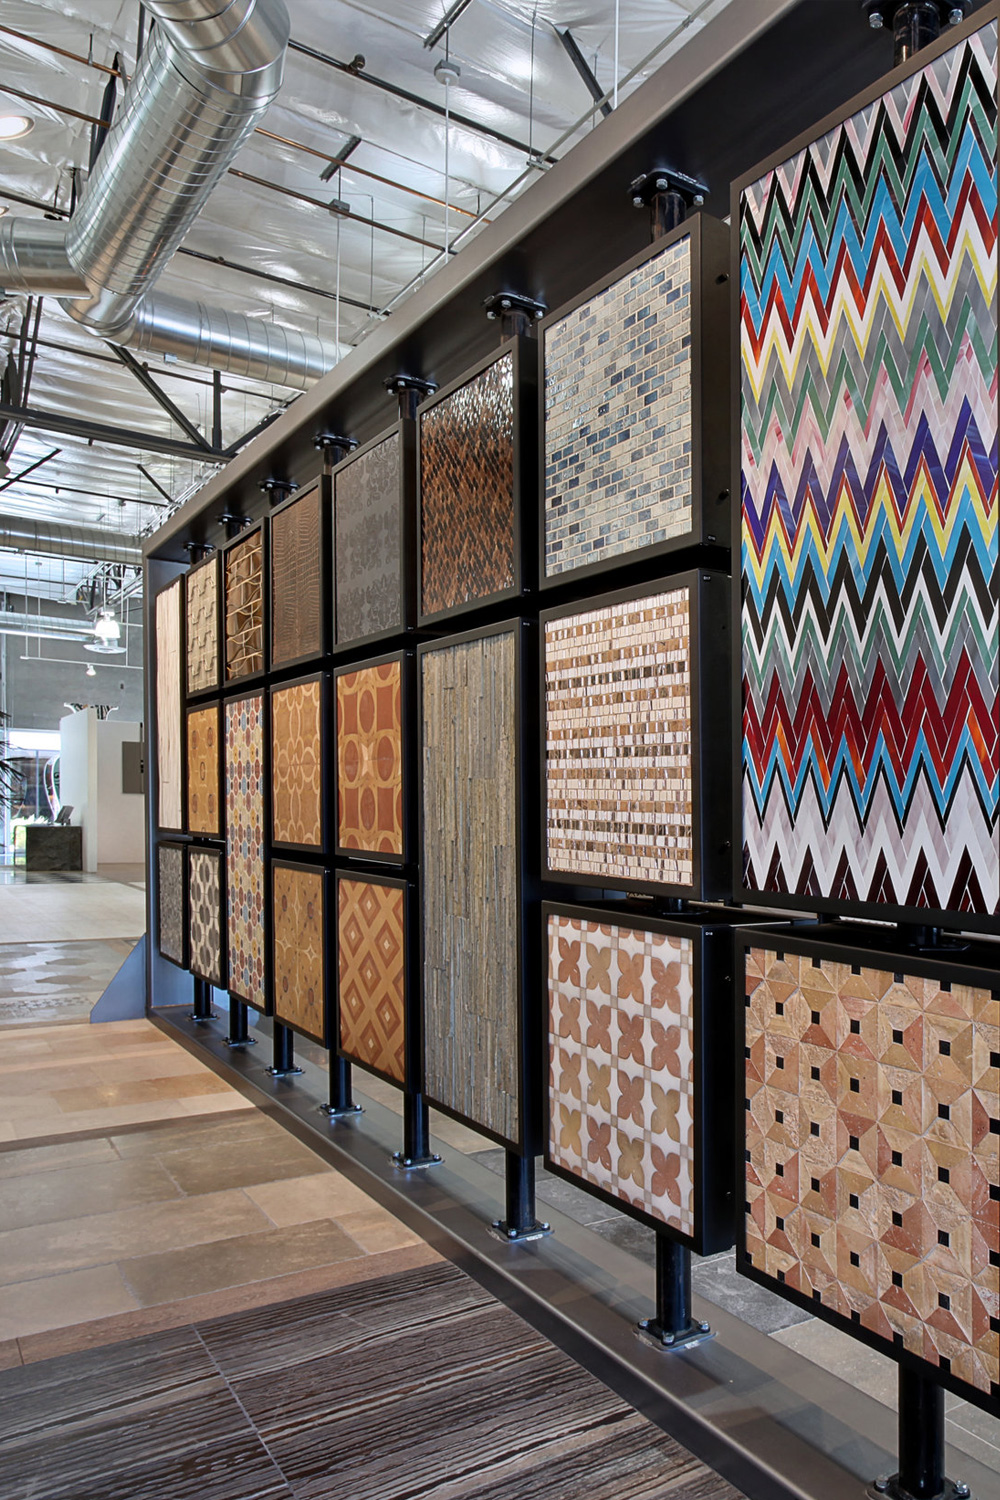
pixel 170 812
pixel 202 606
pixel 203 799
pixel 297 763
pixel 371 949
pixel 370 759
pixel 299 959
pixel 245 607
pixel 297 581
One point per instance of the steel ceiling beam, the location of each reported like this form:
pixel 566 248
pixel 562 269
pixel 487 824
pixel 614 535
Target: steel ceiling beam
pixel 585 71
pixel 447 21
pixel 160 396
pixel 101 432
pixel 71 489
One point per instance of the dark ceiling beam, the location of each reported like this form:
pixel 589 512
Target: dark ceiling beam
pixel 585 71
pixel 19 478
pixel 71 489
pixel 168 498
pixel 253 432
pixel 102 432
pixel 160 396
pixel 446 22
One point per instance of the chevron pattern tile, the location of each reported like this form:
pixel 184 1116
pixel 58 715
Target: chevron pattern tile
pixel 870 624
pixel 371 974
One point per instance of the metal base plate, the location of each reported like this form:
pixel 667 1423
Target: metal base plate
pixel 283 1072
pixel 415 1163
pixel 213 1015
pixel 889 1488
pixel 247 1041
pixel 500 1230
pixel 338 1112
pixel 650 1332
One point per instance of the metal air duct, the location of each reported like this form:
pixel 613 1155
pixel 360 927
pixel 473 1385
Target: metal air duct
pixel 206 77
pixel 83 543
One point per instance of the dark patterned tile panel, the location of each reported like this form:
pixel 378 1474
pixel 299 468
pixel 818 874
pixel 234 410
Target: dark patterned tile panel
pixel 297 581
pixel 368 542
pixel 205 915
pixel 170 878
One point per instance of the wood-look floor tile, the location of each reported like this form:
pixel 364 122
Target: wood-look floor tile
pixel 200 1171
pixel 73 1192
pixel 374 1229
pixel 33 1306
pixel 297 1200
pixel 52 1124
pixel 251 1257
pixel 32 1160
pixel 138 1091
pixel 198 1135
pixel 10 1354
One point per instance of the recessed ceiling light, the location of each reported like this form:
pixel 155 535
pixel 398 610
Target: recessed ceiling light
pixel 13 126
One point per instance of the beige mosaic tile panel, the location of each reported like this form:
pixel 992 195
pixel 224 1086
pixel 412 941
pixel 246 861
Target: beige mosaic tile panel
pixel 170 812
pixel 619 774
pixel 202 602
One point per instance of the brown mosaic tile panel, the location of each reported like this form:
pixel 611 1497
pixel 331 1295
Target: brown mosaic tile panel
pixel 170 811
pixel 245 607
pixel 371 954
pixel 367 510
pixel 299 959
pixel 297 764
pixel 619 770
pixel 297 581
pixel 370 760
pixel 621 1064
pixel 202 608
pixel 203 799
pixel 872 1136
pixel 467 491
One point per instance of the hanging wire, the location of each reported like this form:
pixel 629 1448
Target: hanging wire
pixel 531 91
pixel 336 336
pixel 447 148
pixel 617 19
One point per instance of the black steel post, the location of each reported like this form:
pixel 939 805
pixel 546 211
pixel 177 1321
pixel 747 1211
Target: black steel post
pixel 921 1436
pixel 674 1326
pixel 915 23
pixel 278 490
pixel 239 1030
pixel 341 1102
pixel 283 1052
pixel 202 1009
pixel 668 195
pixel 409 390
pixel 334 448
pixel 516 313
pixel 416 1150
pixel 520 1223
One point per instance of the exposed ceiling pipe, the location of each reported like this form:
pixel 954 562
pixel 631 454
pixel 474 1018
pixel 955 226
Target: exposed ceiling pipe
pixel 49 627
pixel 207 75
pixel 84 543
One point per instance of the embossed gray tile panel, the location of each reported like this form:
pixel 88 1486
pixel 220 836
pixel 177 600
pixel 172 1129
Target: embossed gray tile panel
pixel 368 542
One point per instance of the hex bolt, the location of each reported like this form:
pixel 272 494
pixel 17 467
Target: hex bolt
pixel 961 1488
pixel 955 18
pixel 882 1482
pixel 876 23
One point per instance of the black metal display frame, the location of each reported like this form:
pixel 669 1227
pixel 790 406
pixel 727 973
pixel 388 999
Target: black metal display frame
pixel 405 432
pixel 194 695
pixel 324 541
pixel 710 402
pixel 165 828
pixel 407 659
pixel 950 37
pixel 264 1006
pixel 219 855
pixel 198 707
pixel 182 962
pixel 326 750
pixel 710 934
pixel 524 355
pixel 530 1039
pixel 230 684
pixel 710 736
pixel 412 1041
pixel 327 930
pixel 873 947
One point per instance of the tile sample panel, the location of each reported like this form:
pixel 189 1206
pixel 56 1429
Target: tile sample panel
pixel 467 491
pixel 872 1141
pixel 871 624
pixel 618 410
pixel 202 606
pixel 205 915
pixel 297 602
pixel 297 763
pixel 370 760
pixel 621 1064
pixel 204 802
pixel 470 915
pixel 369 542
pixel 244 760
pixel 299 955
pixel 244 564
pixel 170 878
pixel 619 772
pixel 371 974
pixel 170 813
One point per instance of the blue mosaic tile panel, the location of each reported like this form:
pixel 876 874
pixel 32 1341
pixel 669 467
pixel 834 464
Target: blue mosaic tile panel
pixel 618 416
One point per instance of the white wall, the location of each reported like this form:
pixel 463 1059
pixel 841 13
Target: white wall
pixel 78 777
pixel 121 838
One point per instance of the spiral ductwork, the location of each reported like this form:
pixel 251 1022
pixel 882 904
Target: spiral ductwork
pixel 208 74
pixel 85 543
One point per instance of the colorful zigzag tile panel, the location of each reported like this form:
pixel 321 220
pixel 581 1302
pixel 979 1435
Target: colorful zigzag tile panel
pixel 870 625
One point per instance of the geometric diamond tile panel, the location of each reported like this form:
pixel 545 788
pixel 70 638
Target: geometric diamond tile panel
pixel 871 624
pixel 621 1064
pixel 618 416
pixel 204 806
pixel 371 947
pixel 245 847
pixel 297 763
pixel 872 1137
pixel 202 605
pixel 205 915
pixel 618 771
pixel 370 759
pixel 299 954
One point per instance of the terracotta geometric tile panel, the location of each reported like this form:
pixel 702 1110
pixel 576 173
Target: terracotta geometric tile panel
pixel 297 763
pixel 619 770
pixel 621 1064
pixel 170 812
pixel 871 625
pixel 467 491
pixel 872 1136
pixel 202 607
pixel 170 876
pixel 297 580
pixel 245 607
pixel 368 519
pixel 471 986
pixel 299 955
pixel 371 949
pixel 204 802
pixel 244 760
pixel 205 915
pixel 618 382
pixel 370 759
